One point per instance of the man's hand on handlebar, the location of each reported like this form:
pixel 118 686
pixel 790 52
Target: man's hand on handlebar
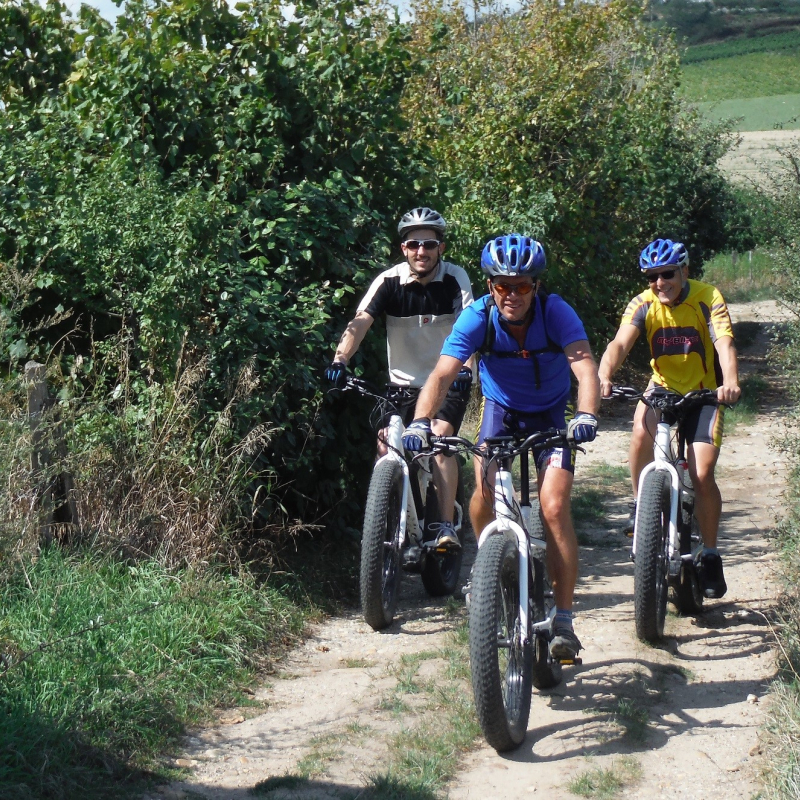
pixel 336 374
pixel 417 436
pixel 582 428
pixel 729 393
pixel 463 381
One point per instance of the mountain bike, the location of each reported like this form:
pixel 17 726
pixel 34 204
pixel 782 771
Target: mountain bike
pixel 666 536
pixel 512 605
pixel 401 513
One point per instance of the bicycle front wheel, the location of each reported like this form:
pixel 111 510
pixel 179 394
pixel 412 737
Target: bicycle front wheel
pixel 380 545
pixel 502 665
pixel 651 566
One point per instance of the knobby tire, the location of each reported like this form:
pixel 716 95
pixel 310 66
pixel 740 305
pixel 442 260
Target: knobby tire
pixel 380 550
pixel 651 565
pixel 688 595
pixel 501 666
pixel 546 670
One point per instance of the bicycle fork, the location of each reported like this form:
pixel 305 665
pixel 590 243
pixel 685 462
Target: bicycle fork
pixel 508 513
pixel 662 462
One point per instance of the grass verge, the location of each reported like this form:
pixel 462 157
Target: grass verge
pixel 105 663
pixel 605 784
pixel 743 277
pixel 782 728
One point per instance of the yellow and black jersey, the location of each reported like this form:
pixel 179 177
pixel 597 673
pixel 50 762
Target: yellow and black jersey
pixel 681 337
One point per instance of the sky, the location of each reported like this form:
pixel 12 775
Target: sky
pixel 110 10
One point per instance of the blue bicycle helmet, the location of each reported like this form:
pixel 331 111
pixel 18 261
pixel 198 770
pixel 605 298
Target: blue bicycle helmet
pixel 663 253
pixel 512 254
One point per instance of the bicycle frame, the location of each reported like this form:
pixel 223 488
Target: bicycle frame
pixel 408 511
pixel 409 518
pixel 510 515
pixel 665 459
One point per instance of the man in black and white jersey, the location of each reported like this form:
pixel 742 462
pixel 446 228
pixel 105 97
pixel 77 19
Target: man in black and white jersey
pixel 420 298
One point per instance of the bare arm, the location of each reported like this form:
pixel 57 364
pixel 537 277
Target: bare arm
pixel 583 367
pixel 432 394
pixel 729 392
pixel 616 352
pixel 353 336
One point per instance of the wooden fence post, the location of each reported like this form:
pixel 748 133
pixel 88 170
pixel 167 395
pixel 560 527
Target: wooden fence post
pixel 56 494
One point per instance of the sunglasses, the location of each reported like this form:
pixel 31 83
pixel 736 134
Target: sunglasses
pixel 667 275
pixel 505 289
pixel 428 244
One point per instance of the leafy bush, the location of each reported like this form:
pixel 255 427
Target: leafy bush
pixel 209 187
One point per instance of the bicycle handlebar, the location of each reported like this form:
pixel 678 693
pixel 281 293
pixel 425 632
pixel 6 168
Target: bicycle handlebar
pixel 502 446
pixel 666 399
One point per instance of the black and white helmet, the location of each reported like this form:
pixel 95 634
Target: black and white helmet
pixel 423 217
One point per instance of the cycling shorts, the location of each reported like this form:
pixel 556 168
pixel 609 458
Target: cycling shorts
pixel 404 398
pixel 499 421
pixel 705 424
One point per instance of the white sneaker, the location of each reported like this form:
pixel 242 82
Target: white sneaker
pixel 446 536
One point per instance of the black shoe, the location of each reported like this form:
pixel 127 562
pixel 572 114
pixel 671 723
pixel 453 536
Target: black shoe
pixel 564 645
pixel 712 580
pixel 627 528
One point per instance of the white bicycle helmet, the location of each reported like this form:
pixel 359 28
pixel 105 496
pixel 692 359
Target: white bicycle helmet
pixel 422 217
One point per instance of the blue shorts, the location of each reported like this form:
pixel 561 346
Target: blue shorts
pixel 499 421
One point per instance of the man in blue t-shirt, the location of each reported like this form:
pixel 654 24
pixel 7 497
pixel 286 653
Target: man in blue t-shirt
pixel 536 343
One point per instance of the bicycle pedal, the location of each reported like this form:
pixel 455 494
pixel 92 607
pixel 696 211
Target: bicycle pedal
pixel 412 559
pixel 570 662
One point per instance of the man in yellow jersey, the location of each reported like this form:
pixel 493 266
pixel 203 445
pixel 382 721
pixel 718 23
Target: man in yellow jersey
pixel 689 332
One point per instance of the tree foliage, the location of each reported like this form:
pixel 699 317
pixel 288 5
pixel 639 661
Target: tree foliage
pixel 562 121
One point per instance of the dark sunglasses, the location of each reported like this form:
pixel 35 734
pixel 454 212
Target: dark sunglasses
pixel 505 289
pixel 667 275
pixel 428 244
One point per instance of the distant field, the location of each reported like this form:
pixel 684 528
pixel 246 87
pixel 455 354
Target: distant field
pixel 780 112
pixel 753 75
pixel 758 154
pixel 785 40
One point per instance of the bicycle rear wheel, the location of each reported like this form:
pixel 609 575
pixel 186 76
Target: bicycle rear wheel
pixel 502 665
pixel 441 571
pixel 688 594
pixel 651 567
pixel 546 670
pixel 380 545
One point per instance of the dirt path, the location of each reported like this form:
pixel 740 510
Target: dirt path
pixel 687 713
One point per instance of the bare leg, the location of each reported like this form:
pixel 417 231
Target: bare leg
pixel 555 486
pixel 640 452
pixel 708 500
pixel 445 474
pixel 481 505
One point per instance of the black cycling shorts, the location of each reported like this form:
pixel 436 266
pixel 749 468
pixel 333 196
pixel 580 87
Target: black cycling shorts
pixel 705 424
pixel 404 398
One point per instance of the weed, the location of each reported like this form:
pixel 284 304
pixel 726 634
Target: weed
pixel 588 505
pixel 395 704
pixel 279 782
pixel 605 784
pixel 357 663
